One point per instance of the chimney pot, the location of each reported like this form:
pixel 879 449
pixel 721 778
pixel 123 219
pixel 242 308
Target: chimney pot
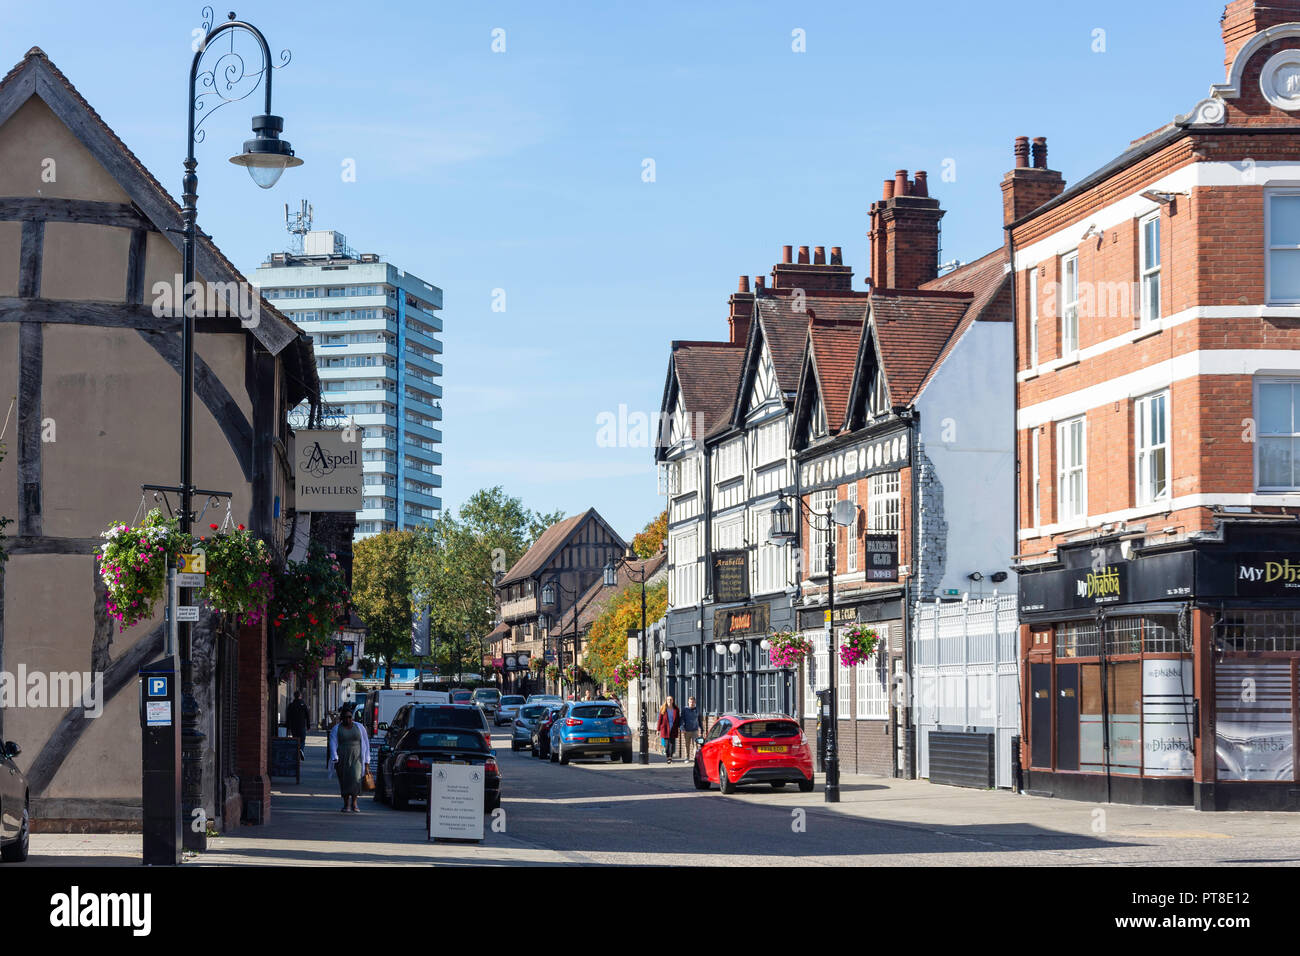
pixel 1022 152
pixel 760 282
pixel 803 255
pixel 1040 152
pixel 744 284
pixel 787 253
pixel 900 182
pixel 919 187
pixel 837 258
pixel 889 190
pixel 819 255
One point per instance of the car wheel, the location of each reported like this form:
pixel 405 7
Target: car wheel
pixel 700 779
pixel 627 755
pixel 550 753
pixel 16 852
pixel 777 784
pixel 401 800
pixel 805 786
pixel 724 782
pixel 491 803
pixel 564 757
pixel 514 746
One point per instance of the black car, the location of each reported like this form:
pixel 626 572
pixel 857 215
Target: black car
pixel 417 750
pixel 542 732
pixel 15 807
pixel 392 783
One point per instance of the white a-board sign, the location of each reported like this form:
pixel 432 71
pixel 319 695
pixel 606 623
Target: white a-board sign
pixel 456 802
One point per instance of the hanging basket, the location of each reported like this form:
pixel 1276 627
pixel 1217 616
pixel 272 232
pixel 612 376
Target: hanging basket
pixel 858 644
pixel 788 649
pixel 133 565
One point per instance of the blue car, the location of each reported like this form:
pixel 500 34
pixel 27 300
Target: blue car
pixel 591 728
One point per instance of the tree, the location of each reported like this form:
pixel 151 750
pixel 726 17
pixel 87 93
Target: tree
pixel 454 562
pixel 607 642
pixel 381 593
pixel 651 540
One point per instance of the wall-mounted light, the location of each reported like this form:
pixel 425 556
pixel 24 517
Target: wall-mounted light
pixel 998 577
pixel 975 576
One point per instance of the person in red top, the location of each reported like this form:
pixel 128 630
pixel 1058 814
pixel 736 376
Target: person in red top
pixel 669 719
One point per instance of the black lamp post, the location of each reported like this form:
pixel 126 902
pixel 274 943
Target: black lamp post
pixel 548 602
pixel 611 579
pixel 783 533
pixel 265 156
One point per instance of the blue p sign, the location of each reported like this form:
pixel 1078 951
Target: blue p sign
pixel 157 686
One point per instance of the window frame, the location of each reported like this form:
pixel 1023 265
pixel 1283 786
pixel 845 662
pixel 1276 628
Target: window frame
pixel 1270 247
pixel 1063 472
pixel 1033 317
pixel 851 531
pixel 1261 380
pixel 1142 495
pixel 1069 307
pixel 1149 275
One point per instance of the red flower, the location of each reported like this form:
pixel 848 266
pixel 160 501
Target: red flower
pixel 241 527
pixel 213 527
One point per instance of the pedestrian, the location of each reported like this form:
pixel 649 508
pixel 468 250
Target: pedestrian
pixel 586 695
pixel 669 718
pixel 350 753
pixel 297 717
pixel 329 733
pixel 690 728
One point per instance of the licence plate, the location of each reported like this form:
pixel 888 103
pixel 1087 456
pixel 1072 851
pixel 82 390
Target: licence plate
pixel 598 740
pixel 771 750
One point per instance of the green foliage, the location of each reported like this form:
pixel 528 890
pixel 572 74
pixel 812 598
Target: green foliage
pixel 133 565
pixel 311 597
pixel 607 643
pixel 381 592
pixel 240 576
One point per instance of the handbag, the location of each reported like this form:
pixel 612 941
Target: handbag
pixel 368 781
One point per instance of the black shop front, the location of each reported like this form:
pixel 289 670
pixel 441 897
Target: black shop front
pixel 1164 676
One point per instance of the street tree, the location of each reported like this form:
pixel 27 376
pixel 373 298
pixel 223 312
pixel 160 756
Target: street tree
pixel 381 593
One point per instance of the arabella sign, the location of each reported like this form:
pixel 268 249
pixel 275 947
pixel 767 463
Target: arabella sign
pixel 327 469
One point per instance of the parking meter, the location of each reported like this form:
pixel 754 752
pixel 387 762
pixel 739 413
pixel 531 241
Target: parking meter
pixel 823 724
pixel 160 763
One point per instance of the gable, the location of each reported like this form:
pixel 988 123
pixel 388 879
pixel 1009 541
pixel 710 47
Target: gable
pixel 40 156
pixel 765 390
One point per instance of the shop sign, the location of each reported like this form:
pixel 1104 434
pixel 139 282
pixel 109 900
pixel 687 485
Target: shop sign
pixel 1107 582
pixel 730 576
pixel 327 471
pixel 882 557
pixel 741 621
pixel 1267 575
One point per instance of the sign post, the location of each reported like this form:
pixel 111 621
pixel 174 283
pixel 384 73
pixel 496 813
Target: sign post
pixel 456 802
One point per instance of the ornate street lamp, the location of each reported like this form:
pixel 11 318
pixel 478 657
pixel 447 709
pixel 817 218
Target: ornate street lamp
pixel 548 601
pixel 782 532
pixel 265 156
pixel 639 576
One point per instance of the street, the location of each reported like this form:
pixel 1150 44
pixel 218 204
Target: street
pixel 598 812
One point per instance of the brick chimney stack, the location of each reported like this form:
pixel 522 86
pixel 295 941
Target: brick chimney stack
pixel 813 273
pixel 904 233
pixel 1242 19
pixel 742 311
pixel 1029 185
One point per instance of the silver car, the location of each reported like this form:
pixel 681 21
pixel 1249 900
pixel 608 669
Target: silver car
pixel 509 709
pixel 521 729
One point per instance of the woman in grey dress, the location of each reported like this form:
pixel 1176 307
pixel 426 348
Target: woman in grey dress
pixel 350 757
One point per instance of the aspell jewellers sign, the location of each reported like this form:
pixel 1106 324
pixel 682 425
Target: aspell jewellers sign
pixel 327 470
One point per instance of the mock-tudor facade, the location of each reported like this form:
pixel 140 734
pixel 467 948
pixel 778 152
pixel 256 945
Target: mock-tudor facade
pixel 1158 422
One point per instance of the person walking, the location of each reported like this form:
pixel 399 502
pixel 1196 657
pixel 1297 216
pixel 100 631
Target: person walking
pixel 669 717
pixel 297 717
pixel 329 734
pixel 350 757
pixel 690 728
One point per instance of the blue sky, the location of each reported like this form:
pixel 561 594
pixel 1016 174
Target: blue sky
pixel 522 170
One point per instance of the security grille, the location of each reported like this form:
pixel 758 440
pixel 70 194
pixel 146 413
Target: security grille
pixel 1271 630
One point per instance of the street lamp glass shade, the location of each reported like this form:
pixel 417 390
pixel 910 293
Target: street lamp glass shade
pixel 266 156
pixel 666 656
pixel 611 575
pixel 782 532
pixel 720 648
pixel 765 644
pixel 733 647
pixel 543 622
pixel 548 596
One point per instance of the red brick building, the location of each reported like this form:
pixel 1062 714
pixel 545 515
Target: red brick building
pixel 1157 307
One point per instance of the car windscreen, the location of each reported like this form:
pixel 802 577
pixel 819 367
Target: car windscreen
pixel 531 712
pixel 769 728
pixel 597 711
pixel 487 695
pixel 511 699
pixel 454 718
pixel 443 740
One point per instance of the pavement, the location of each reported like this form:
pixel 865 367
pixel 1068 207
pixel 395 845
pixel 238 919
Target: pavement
pixel 594 812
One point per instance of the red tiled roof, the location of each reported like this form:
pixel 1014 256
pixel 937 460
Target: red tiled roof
pixel 547 543
pixel 707 374
pixel 911 331
pixel 833 346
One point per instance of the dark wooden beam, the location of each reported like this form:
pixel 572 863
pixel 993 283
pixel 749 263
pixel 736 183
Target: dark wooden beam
pixel 31 363
pixel 43 209
pixel 30 255
pixel 43 544
pixel 135 259
pixel 116 315
pixel 215 398
pixel 17 92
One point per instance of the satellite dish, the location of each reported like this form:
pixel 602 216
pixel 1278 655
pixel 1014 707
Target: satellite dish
pixel 845 513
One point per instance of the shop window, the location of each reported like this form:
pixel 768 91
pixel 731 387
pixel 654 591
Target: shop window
pixel 1277 630
pixel 1254 737
pixel 767 689
pixel 1121 718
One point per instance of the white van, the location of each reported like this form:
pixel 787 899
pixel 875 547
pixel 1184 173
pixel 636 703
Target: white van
pixel 386 702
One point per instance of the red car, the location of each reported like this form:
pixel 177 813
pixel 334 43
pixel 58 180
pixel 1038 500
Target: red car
pixel 749 748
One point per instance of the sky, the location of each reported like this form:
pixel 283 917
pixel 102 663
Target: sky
pixel 612 168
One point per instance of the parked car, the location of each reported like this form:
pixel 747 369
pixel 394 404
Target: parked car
pixel 417 750
pixel 461 695
pixel 15 807
pixel 746 748
pixel 525 722
pixel 467 717
pixel 542 732
pixel 590 728
pixel 544 699
pixel 489 698
pixel 383 704
pixel 509 708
